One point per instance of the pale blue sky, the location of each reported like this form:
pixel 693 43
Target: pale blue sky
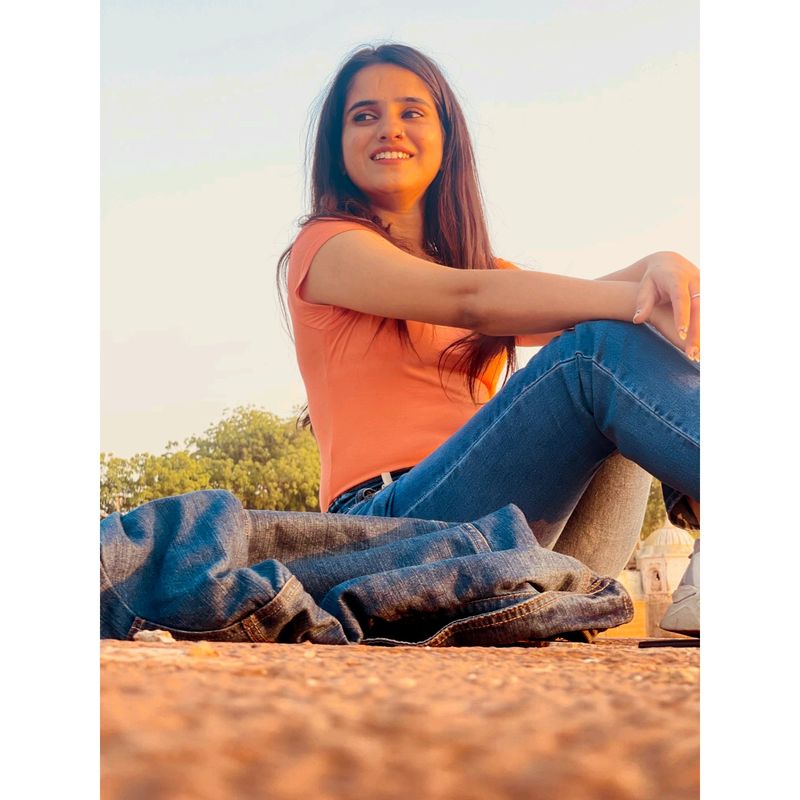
pixel 584 116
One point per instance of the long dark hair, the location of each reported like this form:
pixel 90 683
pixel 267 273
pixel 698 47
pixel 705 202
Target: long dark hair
pixel 454 227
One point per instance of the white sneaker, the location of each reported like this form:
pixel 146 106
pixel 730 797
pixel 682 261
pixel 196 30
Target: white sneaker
pixel 683 616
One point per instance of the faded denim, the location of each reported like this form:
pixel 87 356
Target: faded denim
pixel 517 478
pixel 202 567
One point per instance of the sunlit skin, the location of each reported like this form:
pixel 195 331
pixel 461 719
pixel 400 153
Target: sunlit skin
pixel 401 114
pixel 390 107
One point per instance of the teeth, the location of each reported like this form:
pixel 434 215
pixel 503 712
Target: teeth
pixel 391 155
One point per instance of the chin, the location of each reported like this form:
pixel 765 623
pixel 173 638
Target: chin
pixel 379 191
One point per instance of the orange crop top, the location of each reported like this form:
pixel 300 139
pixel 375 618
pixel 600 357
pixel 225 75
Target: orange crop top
pixel 375 404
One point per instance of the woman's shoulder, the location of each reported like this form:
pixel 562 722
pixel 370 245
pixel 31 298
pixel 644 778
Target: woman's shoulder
pixel 318 230
pixel 313 234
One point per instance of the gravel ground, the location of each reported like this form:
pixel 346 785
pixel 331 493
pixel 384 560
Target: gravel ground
pixel 606 721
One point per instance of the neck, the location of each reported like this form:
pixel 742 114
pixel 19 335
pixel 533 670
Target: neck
pixel 407 224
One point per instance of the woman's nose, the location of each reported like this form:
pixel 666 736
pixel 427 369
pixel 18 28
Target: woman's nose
pixel 392 129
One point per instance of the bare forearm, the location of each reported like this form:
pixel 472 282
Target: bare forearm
pixel 505 303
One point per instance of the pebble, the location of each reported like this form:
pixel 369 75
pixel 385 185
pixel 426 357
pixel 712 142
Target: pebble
pixel 202 649
pixel 153 636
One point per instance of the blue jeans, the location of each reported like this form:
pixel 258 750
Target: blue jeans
pixel 598 388
pixel 202 567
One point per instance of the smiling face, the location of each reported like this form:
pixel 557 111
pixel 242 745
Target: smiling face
pixel 392 139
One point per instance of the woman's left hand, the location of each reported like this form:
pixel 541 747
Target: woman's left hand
pixel 671 278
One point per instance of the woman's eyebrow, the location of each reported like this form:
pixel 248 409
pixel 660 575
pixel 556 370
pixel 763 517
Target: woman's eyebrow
pixel 361 103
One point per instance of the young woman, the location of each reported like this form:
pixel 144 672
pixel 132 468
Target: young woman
pixel 404 320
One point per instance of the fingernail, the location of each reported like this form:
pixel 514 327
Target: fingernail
pixel 694 353
pixel 636 314
pixel 683 332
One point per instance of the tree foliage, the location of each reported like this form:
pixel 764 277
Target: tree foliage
pixel 656 513
pixel 266 461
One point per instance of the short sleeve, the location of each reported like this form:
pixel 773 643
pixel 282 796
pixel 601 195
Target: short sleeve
pixel 305 247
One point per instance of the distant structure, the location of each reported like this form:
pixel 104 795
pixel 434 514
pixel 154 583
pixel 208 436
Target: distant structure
pixel 662 559
pixel 651 576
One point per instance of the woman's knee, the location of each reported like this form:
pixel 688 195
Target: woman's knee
pixel 606 338
pixel 605 328
pixel 608 342
pixel 592 336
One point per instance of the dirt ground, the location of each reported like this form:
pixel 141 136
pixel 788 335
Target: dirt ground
pixel 606 721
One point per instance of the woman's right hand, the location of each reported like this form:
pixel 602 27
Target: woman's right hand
pixel 672 279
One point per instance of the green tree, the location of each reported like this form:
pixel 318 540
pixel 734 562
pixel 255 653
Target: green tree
pixel 266 461
pixel 118 483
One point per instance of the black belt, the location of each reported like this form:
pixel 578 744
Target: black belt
pixel 377 479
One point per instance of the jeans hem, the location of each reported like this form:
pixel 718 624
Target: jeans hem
pixel 679 512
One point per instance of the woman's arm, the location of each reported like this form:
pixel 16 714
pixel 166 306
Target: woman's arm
pixel 667 277
pixel 363 271
pixel 528 339
pixel 533 302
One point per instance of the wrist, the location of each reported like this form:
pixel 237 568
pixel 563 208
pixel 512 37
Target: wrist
pixel 618 301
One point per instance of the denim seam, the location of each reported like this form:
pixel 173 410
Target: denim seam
pixel 627 600
pixel 510 596
pixel 271 608
pixel 494 618
pixel 523 610
pixel 480 543
pixel 486 432
pixel 253 629
pixel 248 527
pixel 508 615
pixel 638 400
pixel 285 594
